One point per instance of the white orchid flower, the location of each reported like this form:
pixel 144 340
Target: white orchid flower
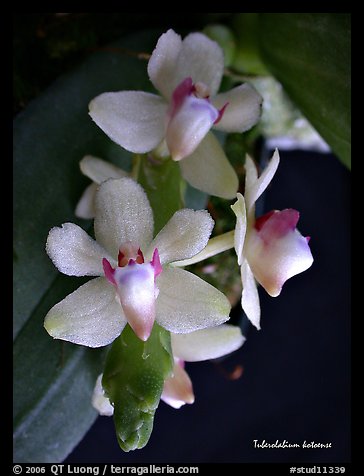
pixel 188 74
pixel 270 249
pixel 197 346
pixel 135 283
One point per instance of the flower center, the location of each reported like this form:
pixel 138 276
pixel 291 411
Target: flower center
pixel 134 282
pixel 201 92
pixel 190 116
pixel 129 253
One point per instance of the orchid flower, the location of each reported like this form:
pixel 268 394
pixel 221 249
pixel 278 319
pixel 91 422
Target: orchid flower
pixel 188 74
pixel 197 346
pixel 135 283
pixel 270 249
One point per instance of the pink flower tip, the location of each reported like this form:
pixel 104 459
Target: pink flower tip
pixel 156 263
pixel 178 389
pixel 221 113
pixel 108 270
pixel 143 331
pixel 184 89
pixel 259 222
pixel 277 223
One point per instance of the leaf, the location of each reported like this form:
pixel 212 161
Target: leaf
pixel 51 380
pixel 309 53
pixel 247 56
pixel 52 401
pixel 133 381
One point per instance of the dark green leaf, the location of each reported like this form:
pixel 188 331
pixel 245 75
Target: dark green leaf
pixel 53 409
pixel 51 380
pixel 133 380
pixel 247 56
pixel 309 53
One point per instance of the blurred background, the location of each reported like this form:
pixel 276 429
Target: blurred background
pixel 291 380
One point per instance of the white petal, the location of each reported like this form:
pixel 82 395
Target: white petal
pixel 209 170
pixel 137 292
pixel 90 316
pixel 207 343
pixel 123 214
pixel 186 303
pixel 74 252
pixel 251 177
pixel 185 235
pixel 132 119
pixel 99 170
pixel 276 260
pixel 201 59
pixel 254 187
pixel 85 207
pixel 187 128
pixel 250 297
pixel 99 401
pixel 251 173
pixel 178 389
pixel 162 64
pixel 243 109
pixel 240 227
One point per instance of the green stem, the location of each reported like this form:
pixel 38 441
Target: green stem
pixel 137 159
pixel 216 245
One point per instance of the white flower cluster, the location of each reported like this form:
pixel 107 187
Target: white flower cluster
pixel 139 279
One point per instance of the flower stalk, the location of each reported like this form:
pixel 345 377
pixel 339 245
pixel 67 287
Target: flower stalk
pixel 216 245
